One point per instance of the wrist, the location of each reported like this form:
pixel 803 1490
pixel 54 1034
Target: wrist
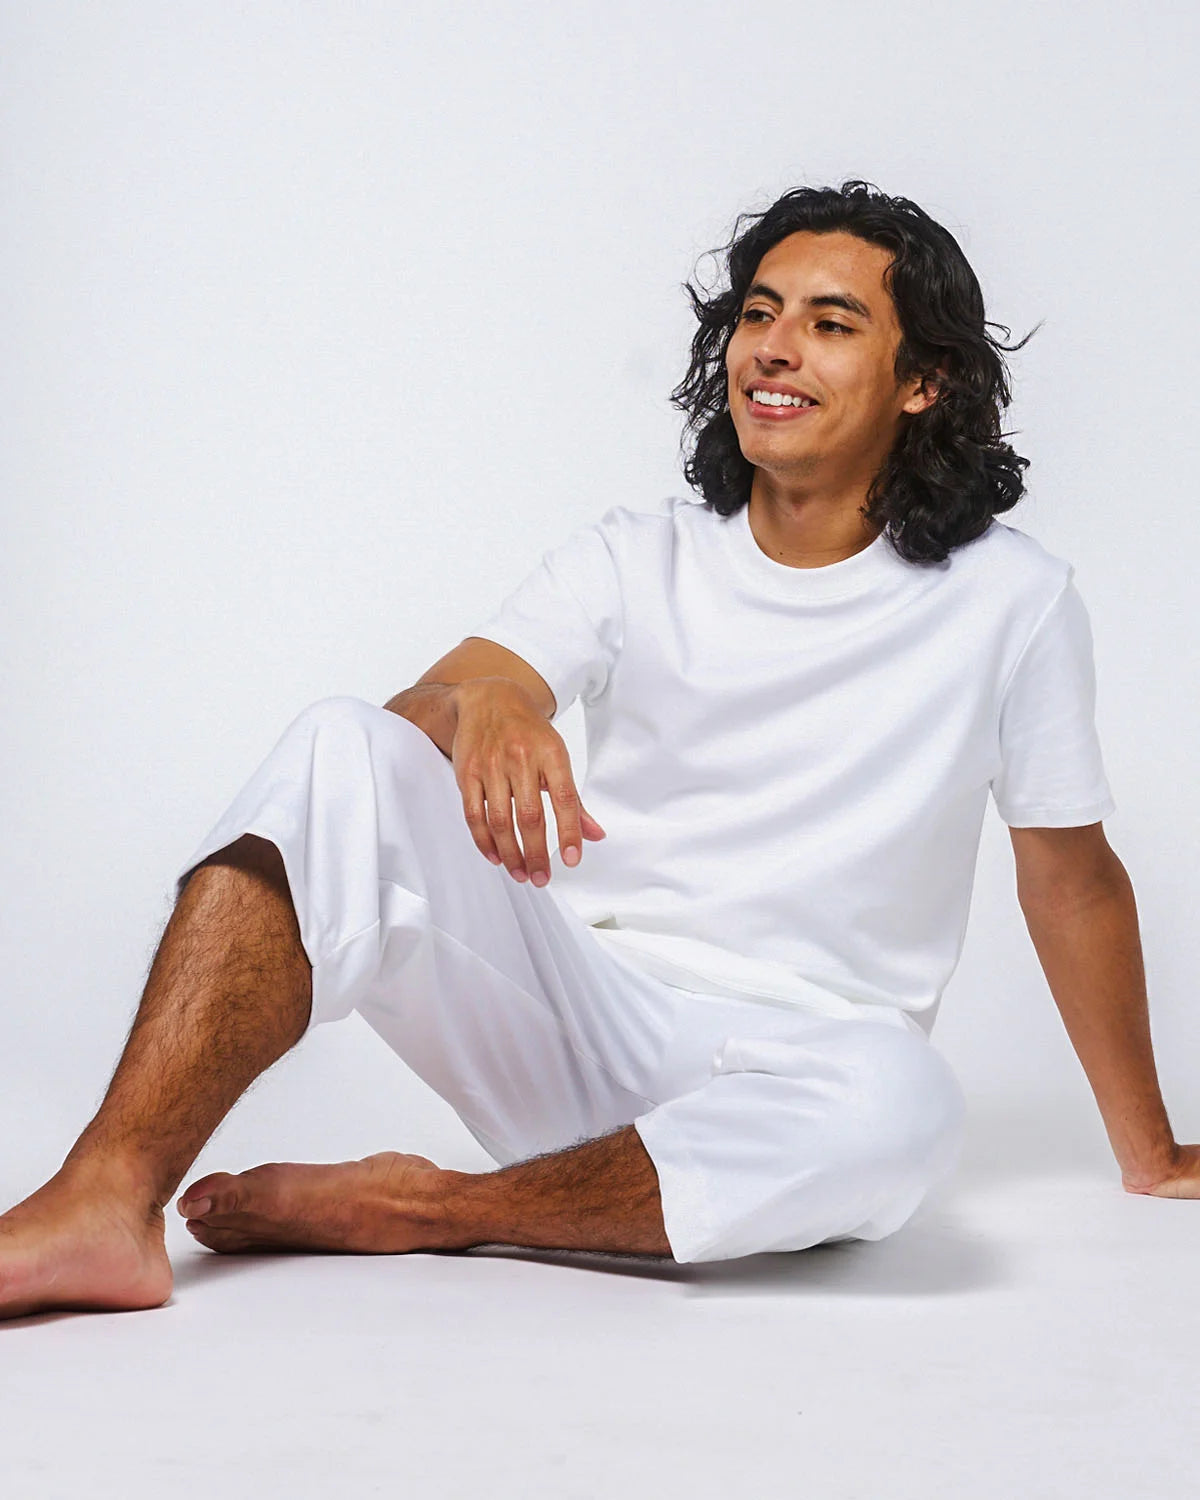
pixel 433 708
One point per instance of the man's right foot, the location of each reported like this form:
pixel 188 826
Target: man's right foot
pixel 82 1242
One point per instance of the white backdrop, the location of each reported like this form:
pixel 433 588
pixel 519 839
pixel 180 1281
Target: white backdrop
pixel 321 322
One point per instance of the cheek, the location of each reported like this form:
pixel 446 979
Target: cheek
pixel 850 366
pixel 873 393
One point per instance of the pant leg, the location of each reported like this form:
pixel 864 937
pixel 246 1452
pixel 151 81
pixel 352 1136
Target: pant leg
pixel 492 991
pixel 779 1132
pixel 769 1130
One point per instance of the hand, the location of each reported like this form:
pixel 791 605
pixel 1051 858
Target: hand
pixel 1180 1178
pixel 505 750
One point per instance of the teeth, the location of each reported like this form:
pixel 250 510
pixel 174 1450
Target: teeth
pixel 776 398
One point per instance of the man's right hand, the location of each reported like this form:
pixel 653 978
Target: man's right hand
pixel 505 753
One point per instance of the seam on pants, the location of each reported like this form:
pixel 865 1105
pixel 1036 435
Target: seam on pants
pixel 447 937
pixel 341 943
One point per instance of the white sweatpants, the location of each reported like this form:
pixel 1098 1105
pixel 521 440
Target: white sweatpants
pixel 770 1129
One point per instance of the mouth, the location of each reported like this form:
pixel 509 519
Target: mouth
pixel 766 411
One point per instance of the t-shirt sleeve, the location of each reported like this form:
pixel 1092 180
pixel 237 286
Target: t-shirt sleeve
pixel 566 617
pixel 1051 768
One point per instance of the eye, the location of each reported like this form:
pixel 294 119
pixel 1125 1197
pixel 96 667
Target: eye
pixel 752 314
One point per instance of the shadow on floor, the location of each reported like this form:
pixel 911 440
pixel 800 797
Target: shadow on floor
pixel 929 1256
pixel 932 1255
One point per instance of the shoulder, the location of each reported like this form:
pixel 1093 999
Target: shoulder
pixel 622 520
pixel 1021 550
pixel 609 546
pixel 630 532
pixel 1010 561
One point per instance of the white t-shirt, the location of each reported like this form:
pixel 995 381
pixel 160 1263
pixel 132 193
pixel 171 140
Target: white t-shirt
pixel 792 764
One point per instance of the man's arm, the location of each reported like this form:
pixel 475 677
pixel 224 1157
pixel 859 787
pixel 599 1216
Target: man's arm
pixel 1078 904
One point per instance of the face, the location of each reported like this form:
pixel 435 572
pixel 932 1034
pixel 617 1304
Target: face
pixel 819 322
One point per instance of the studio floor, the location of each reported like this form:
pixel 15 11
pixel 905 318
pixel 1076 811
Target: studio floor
pixel 1031 1332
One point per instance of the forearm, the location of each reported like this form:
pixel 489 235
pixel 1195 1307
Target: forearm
pixel 1091 953
pixel 433 707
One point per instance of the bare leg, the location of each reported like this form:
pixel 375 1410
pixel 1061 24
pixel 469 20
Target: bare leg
pixel 600 1195
pixel 229 991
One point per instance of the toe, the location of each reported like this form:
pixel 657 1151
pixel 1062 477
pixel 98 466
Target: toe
pixel 216 1193
pixel 228 1241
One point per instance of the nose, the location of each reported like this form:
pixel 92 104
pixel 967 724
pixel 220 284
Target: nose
pixel 776 347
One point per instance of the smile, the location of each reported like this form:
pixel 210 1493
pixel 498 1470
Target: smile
pixel 763 412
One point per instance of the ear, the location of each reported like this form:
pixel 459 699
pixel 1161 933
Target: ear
pixel 927 391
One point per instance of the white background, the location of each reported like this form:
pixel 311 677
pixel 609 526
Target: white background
pixel 321 322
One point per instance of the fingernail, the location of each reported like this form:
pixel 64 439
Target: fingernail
pixel 196 1208
pixel 570 855
pixel 520 875
pixel 540 877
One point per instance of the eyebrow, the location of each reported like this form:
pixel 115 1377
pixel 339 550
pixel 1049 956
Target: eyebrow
pixel 843 300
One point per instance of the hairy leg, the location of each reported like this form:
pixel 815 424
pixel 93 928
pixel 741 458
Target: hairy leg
pixel 600 1195
pixel 229 991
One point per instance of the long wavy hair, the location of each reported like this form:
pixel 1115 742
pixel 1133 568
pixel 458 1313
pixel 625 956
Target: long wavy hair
pixel 950 470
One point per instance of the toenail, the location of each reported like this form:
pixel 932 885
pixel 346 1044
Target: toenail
pixel 196 1207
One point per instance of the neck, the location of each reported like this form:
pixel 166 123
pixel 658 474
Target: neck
pixel 807 530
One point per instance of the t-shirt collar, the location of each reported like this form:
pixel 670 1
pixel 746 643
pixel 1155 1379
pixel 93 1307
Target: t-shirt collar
pixel 876 564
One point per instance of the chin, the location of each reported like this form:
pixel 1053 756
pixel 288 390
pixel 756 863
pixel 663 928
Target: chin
pixel 785 466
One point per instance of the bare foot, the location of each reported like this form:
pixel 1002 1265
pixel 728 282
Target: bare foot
pixel 80 1242
pixel 366 1207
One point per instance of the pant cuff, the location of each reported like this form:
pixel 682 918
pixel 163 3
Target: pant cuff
pixel 688 1216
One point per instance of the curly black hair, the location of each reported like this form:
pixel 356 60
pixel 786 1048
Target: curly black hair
pixel 949 471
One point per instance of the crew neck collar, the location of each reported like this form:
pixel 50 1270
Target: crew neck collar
pixel 875 564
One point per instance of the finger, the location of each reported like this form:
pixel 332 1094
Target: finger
pixel 499 793
pixel 531 820
pixel 474 810
pixel 591 829
pixel 564 800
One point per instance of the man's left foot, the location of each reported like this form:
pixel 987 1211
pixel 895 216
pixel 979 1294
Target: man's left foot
pixel 381 1205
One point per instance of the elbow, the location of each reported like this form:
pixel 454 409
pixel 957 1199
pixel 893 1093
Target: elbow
pixel 1070 890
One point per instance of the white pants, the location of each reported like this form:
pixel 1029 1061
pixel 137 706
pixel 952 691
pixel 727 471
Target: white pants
pixel 770 1129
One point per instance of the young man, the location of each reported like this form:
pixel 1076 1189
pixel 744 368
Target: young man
pixel 713 1037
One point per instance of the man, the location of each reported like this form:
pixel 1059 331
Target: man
pixel 715 1039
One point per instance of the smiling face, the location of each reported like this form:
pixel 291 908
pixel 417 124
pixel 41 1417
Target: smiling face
pixel 819 322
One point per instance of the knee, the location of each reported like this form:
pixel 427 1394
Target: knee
pixel 343 713
pixel 338 710
pixel 910 1104
pixel 394 745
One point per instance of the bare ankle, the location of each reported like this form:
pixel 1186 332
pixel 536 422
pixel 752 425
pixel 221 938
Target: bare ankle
pixel 123 1174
